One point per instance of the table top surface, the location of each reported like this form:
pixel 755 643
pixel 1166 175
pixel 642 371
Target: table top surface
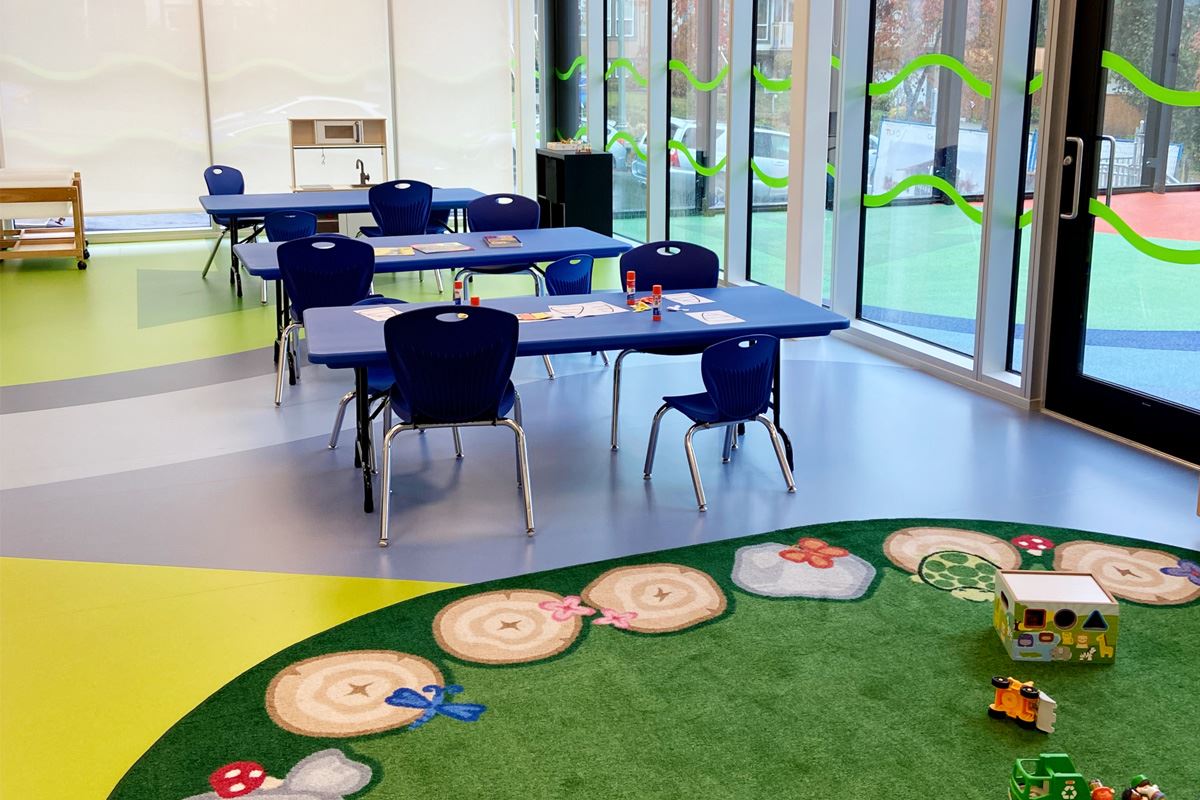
pixel 333 202
pixel 341 337
pixel 537 245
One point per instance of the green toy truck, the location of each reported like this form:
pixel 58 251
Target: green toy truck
pixel 1050 775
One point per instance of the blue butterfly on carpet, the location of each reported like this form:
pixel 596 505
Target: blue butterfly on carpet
pixel 433 706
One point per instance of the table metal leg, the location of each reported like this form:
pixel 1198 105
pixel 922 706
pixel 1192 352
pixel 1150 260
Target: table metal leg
pixel 362 446
pixel 776 402
pixel 280 319
pixel 235 274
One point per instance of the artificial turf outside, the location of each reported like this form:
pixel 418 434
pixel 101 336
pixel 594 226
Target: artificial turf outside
pixel 884 696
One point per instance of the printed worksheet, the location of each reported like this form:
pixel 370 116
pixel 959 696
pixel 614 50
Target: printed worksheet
pixel 378 313
pixel 596 308
pixel 685 299
pixel 714 317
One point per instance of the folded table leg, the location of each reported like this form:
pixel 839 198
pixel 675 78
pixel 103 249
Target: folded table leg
pixel 362 406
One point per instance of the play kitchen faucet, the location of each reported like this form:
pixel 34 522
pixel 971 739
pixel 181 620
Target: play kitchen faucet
pixel 363 177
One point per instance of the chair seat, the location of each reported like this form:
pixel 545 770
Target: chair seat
pixel 682 350
pixel 507 269
pixel 242 222
pixel 404 413
pixel 380 379
pixel 371 231
pixel 696 407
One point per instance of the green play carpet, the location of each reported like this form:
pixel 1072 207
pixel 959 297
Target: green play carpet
pixel 841 660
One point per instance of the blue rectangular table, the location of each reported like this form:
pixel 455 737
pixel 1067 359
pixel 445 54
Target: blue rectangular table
pixel 241 206
pixel 537 245
pixel 341 338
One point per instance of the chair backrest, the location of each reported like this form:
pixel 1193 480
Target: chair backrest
pixel 737 374
pixel 221 179
pixel 401 208
pixel 452 363
pixel 326 270
pixel 570 275
pixel 283 226
pixel 503 212
pixel 673 265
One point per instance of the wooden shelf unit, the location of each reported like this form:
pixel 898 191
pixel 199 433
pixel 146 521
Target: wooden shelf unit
pixel 17 243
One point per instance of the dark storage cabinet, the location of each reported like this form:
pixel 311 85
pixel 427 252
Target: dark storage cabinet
pixel 575 190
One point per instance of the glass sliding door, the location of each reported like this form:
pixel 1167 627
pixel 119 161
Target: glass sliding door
pixel 1125 329
pixel 932 68
pixel 696 136
pixel 626 103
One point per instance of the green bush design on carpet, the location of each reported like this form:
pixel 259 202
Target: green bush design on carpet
pixel 884 696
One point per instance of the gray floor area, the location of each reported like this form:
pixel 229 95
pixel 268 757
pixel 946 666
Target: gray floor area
pixel 174 471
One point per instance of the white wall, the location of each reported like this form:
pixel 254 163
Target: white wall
pixel 117 89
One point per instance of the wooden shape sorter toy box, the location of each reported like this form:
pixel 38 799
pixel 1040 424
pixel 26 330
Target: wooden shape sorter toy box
pixel 1055 616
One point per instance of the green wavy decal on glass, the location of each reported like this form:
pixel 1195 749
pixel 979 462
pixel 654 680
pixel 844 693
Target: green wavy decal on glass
pixel 708 172
pixel 769 180
pixel 1155 91
pixel 835 62
pixel 1171 255
pixel 1026 219
pixel 982 88
pixel 579 134
pixel 771 84
pixel 578 63
pixel 830 170
pixel 638 78
pixel 1036 82
pixel 699 85
pixel 879 200
pixel 624 136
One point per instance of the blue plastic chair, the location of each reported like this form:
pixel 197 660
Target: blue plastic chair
pixel 737 377
pixel 401 208
pixel 676 266
pixel 570 275
pixel 221 179
pixel 283 226
pixel 325 270
pixel 502 212
pixel 453 368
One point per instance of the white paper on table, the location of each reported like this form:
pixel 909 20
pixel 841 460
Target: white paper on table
pixel 714 317
pixel 377 313
pixel 595 308
pixel 686 299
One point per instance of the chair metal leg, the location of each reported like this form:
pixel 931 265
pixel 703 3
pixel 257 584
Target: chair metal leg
pixel 549 366
pixel 263 296
pixel 604 357
pixel 386 488
pixel 653 446
pixel 779 452
pixel 617 393
pixel 387 414
pixel 523 472
pixel 730 436
pixel 437 278
pixel 421 276
pixel 284 348
pixel 691 457
pixel 341 415
pixel 213 254
pixel 457 443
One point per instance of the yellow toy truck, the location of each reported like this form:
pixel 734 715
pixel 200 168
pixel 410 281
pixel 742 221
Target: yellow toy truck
pixel 1023 702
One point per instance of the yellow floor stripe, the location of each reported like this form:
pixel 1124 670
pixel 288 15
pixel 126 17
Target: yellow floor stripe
pixel 97 660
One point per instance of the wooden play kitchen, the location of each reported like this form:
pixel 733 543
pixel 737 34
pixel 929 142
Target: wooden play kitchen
pixel 37 193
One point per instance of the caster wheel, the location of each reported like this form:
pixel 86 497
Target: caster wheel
pixel 87 253
pixel 1001 682
pixel 81 264
pixel 1031 692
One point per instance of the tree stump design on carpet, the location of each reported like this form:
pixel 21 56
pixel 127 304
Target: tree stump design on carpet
pixel 506 627
pixel 770 570
pixel 662 597
pixel 342 694
pixel 907 547
pixel 1132 573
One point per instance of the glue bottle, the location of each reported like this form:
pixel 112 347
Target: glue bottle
pixel 458 293
pixel 630 288
pixel 656 302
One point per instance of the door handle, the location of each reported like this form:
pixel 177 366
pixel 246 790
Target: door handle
pixel 1068 161
pixel 1112 157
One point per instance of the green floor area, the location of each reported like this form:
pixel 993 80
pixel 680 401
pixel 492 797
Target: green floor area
pixel 851 657
pixel 144 304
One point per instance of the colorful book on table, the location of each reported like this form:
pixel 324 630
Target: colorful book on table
pixel 393 251
pixel 502 240
pixel 441 247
